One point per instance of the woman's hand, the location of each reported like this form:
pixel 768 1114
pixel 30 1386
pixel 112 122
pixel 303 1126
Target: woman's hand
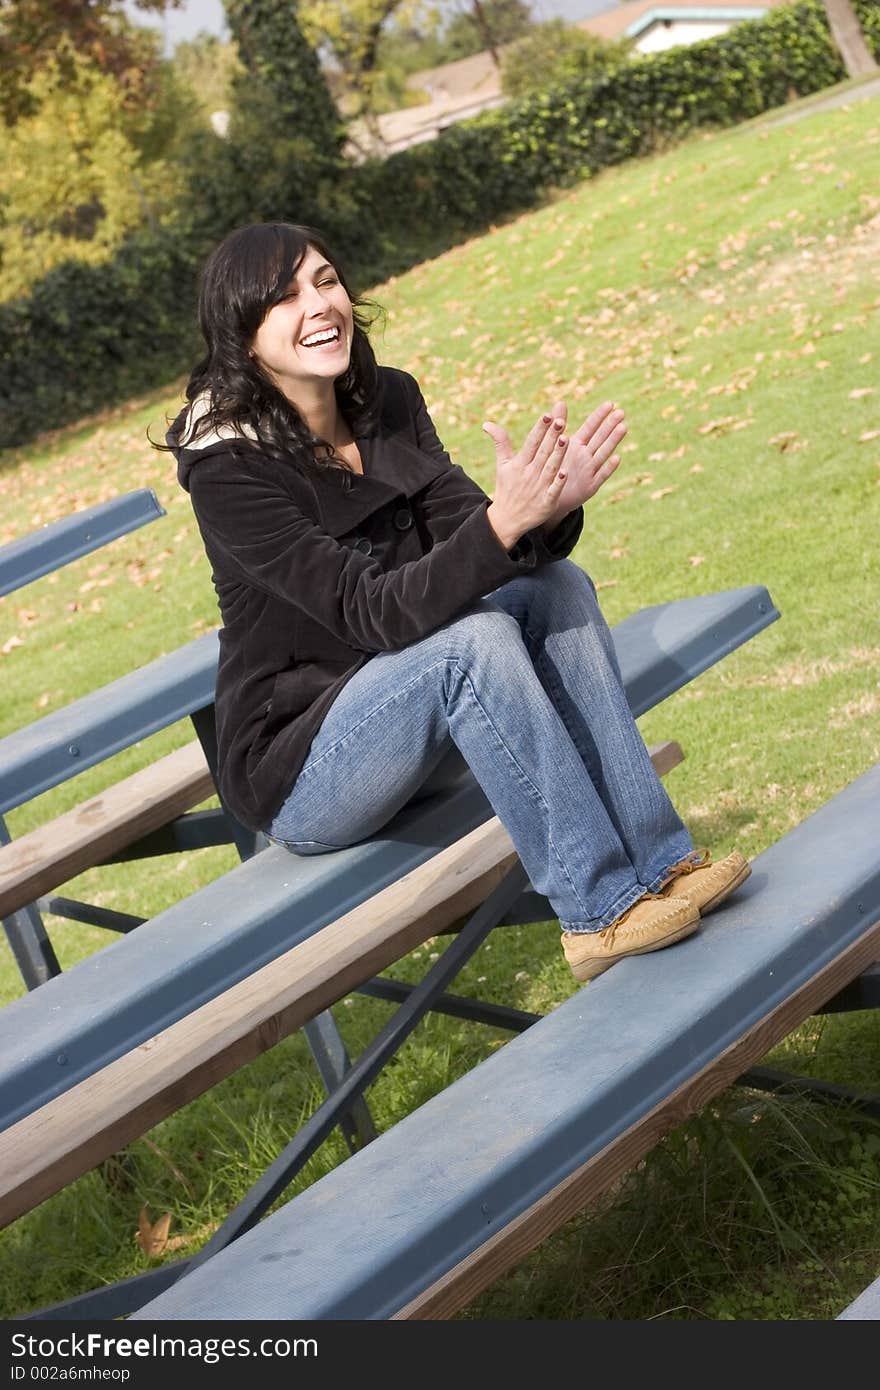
pixel 528 484
pixel 591 457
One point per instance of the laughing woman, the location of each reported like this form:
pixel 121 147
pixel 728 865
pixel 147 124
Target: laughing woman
pixel 383 619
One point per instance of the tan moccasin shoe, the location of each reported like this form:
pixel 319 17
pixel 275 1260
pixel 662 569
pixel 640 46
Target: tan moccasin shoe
pixel 703 883
pixel 650 923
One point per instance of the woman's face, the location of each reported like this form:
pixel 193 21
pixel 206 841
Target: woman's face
pixel 307 336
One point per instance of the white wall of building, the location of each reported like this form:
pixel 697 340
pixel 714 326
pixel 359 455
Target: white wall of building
pixel 671 33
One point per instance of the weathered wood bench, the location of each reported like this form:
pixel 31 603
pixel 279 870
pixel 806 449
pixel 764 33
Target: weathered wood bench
pixel 438 1207
pixel 98 1055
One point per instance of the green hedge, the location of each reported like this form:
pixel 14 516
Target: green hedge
pixel 88 336
pixel 504 161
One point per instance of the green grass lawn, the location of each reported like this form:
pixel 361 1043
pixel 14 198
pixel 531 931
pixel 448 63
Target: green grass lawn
pixel 728 294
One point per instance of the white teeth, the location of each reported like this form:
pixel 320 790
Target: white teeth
pixel 326 335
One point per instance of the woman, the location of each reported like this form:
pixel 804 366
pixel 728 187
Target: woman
pixel 383 618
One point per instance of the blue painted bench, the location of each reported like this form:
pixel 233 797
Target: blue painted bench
pixel 98 1055
pixel 87 732
pixel 864 1308
pixel 60 542
pixel 437 1208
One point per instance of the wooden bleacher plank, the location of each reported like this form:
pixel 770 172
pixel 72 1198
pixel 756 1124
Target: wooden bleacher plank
pixel 54 1145
pixel 55 852
pixel 86 1124
pixel 485 1168
pixel 58 543
pixel 665 756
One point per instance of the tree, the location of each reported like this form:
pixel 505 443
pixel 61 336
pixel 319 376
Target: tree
pixel 374 44
pixel 350 33
pixel 558 52
pixel 479 25
pixel 282 86
pixel 31 32
pixel 74 183
pixel 209 68
pixel 849 38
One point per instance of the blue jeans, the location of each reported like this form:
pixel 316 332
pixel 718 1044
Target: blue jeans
pixel 525 686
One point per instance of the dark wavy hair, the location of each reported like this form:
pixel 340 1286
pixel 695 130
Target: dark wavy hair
pixel 242 279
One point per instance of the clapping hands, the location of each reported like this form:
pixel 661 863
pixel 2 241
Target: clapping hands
pixel 591 456
pixel 553 472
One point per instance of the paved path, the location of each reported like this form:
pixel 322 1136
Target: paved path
pixel 869 88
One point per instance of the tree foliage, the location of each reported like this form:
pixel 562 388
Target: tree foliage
pixel 74 182
pixel 562 52
pixel 480 24
pixel 209 69
pixel 349 33
pixel 372 46
pixel 282 89
pixel 31 35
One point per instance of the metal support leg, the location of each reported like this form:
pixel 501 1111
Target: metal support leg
pixel 112 1300
pixel 368 1066
pixel 322 1034
pixel 120 1299
pixel 28 939
pixel 455 1005
pixel 333 1062
pixel 74 911
pixel 783 1083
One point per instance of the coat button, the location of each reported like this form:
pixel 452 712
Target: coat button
pixel 364 545
pixel 402 519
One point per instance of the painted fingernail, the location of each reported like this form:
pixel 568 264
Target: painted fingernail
pixel 546 419
pixel 559 424
pixel 561 476
pixel 561 442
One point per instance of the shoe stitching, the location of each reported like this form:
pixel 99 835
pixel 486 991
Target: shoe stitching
pixel 608 933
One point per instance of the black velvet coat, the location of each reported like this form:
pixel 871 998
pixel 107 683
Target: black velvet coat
pixel 313 578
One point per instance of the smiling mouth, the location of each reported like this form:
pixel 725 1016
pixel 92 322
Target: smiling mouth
pixel 324 337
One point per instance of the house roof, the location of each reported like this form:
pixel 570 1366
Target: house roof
pixel 614 23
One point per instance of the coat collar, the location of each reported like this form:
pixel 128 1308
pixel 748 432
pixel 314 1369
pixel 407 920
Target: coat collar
pixel 394 467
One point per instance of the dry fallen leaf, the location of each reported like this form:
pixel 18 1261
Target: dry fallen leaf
pixel 661 492
pixel 868 435
pixel 861 391
pixel 11 644
pixel 784 441
pixel 696 559
pixel 152 1238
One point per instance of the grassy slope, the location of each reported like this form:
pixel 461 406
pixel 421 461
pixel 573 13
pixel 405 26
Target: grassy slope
pixel 727 293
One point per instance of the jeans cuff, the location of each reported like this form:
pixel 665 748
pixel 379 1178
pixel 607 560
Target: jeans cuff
pixel 656 882
pixel 595 924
